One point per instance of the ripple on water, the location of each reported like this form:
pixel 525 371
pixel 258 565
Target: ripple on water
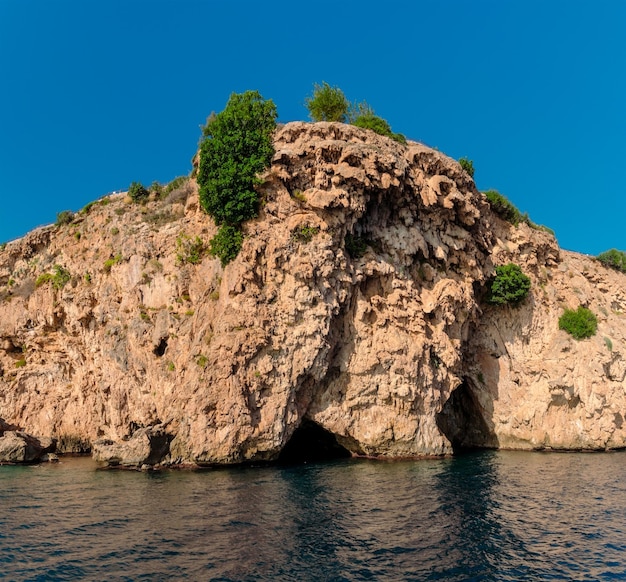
pixel 486 516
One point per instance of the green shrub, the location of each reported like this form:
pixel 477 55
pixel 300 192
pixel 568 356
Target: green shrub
pixel 468 166
pixel 327 104
pixel 541 227
pixel 87 208
pixel 503 208
pixel 614 259
pixel 175 184
pixel 226 244
pixel 109 263
pixel 369 120
pixel 157 188
pixel 356 246
pixel 59 278
pixel 64 217
pixel 137 192
pixel 20 363
pixel 43 279
pixel 237 147
pixel 581 323
pixel 189 250
pixel 509 286
pixel 304 233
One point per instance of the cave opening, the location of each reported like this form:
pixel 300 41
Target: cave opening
pixel 160 349
pixel 462 421
pixel 310 443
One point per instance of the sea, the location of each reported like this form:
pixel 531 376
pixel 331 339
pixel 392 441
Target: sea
pixel 491 515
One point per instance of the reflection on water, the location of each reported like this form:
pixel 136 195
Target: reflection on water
pixel 484 516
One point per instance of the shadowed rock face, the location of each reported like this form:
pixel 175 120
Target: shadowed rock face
pixel 356 306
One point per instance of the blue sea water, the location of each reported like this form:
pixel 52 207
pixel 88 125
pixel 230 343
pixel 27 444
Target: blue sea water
pixel 484 516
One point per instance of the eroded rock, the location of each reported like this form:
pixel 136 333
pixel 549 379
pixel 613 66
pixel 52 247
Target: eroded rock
pixel 389 348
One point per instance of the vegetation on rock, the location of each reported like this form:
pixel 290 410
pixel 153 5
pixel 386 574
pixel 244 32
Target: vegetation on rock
pixel 237 146
pixel 137 192
pixel 614 259
pixel 64 217
pixel 327 104
pixel 580 323
pixel 356 246
pixel 468 166
pixel 109 263
pixel 304 233
pixel 503 207
pixel 189 250
pixel 509 286
pixel 226 244
pixel 369 120
pixel 330 104
pixel 59 278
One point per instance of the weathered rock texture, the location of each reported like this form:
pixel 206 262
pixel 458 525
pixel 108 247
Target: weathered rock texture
pixel 18 447
pixel 394 352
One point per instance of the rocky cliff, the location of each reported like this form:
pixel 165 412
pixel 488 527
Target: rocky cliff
pixel 356 309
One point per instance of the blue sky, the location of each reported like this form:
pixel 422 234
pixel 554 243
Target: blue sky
pixel 96 94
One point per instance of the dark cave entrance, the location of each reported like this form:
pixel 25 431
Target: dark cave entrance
pixel 311 443
pixel 462 421
pixel 160 349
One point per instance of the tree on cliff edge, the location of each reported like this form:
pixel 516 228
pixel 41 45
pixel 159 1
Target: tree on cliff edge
pixel 238 145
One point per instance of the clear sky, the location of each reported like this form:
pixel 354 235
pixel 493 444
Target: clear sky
pixel 95 94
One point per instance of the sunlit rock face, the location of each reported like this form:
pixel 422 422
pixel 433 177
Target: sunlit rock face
pixel 357 306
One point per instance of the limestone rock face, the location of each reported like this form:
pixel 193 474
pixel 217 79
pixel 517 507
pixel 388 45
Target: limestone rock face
pixel 18 447
pixel 357 304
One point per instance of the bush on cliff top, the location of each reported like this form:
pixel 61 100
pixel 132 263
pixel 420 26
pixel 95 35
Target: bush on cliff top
pixel 137 192
pixel 503 208
pixel 330 104
pixel 327 104
pixel 580 323
pixel 614 259
pixel 237 146
pixel 509 286
pixel 377 124
pixel 467 165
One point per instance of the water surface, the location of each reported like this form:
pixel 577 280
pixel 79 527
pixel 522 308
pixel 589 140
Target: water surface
pixel 485 516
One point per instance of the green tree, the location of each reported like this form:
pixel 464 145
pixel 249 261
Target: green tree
pixel 468 166
pixel 327 104
pixel 614 259
pixel 237 146
pixel 580 323
pixel 137 192
pixel 509 286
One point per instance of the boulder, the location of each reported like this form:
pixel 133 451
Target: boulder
pixel 147 446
